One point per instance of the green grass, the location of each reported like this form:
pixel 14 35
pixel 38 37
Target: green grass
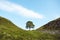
pixel 9 31
pixel 28 35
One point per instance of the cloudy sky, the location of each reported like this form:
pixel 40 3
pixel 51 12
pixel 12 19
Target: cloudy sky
pixel 38 11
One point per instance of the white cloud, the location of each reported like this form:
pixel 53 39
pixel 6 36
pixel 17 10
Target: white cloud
pixel 12 7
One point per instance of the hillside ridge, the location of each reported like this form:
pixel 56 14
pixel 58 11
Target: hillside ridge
pixel 52 25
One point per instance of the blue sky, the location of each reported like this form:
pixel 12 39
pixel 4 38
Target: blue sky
pixel 38 11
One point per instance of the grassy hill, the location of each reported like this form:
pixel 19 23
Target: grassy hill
pixel 52 25
pixel 9 31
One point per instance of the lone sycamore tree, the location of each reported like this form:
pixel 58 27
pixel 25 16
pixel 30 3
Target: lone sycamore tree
pixel 29 24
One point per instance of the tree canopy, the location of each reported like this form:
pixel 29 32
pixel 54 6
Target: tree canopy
pixel 29 24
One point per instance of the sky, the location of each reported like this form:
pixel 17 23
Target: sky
pixel 39 12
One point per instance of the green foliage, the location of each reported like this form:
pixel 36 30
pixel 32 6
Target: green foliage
pixel 29 24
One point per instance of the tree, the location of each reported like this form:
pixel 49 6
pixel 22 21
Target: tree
pixel 29 24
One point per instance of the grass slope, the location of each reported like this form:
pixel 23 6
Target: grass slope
pixel 9 31
pixel 52 25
